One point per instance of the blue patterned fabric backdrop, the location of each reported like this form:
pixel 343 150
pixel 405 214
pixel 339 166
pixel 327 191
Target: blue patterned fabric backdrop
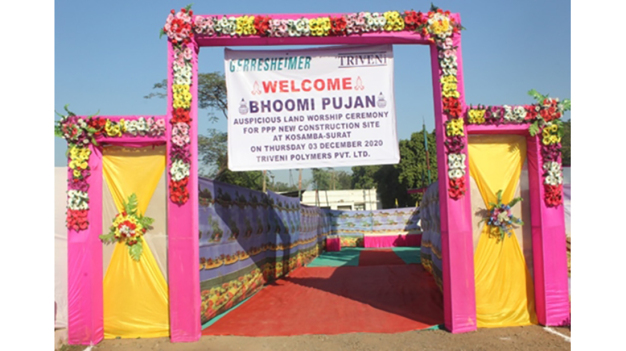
pixel 248 238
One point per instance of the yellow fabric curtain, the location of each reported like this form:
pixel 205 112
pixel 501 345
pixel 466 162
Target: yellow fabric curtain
pixel 504 287
pixel 135 292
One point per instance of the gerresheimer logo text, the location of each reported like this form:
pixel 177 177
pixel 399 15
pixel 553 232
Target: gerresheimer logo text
pixel 362 59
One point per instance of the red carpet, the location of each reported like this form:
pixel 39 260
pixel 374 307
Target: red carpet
pixel 338 300
pixel 379 257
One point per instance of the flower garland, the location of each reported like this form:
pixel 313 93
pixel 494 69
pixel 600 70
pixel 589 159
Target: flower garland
pixel 129 226
pixel 179 27
pixel 79 133
pixel 500 218
pixel 436 24
pixel 441 27
pixel 544 121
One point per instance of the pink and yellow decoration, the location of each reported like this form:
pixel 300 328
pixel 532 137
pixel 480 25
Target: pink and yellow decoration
pixel 470 280
pixel 128 227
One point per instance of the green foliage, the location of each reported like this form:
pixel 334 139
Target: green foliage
pixel 393 181
pixel 566 143
pixel 535 95
pixel 363 177
pixel 107 238
pixel 131 206
pixel 533 129
pixel 212 152
pixel 413 166
pixel 213 147
pixel 330 179
pixel 251 180
pixel 136 250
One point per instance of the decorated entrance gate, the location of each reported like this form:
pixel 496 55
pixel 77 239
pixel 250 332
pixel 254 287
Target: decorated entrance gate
pixel 178 131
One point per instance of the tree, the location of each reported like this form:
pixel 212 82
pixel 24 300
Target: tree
pixel 342 180
pixel 212 93
pixel 329 179
pixel 213 148
pixel 321 178
pixel 566 143
pixel 413 168
pixel 393 181
pixel 363 177
pixel 389 188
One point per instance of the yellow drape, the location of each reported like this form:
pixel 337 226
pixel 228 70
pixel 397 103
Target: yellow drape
pixel 135 292
pixel 504 287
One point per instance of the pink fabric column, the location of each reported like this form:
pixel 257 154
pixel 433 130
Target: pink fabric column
pixel 84 266
pixel 549 246
pixel 333 244
pixel 182 229
pixel 398 240
pixel 459 293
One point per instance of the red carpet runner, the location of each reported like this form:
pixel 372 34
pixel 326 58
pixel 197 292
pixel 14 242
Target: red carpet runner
pixel 338 300
pixel 379 257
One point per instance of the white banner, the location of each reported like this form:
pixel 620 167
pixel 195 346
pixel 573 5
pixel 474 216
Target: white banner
pixel 312 108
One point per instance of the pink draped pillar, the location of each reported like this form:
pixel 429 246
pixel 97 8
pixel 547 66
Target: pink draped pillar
pixel 459 293
pixel 182 228
pixel 549 248
pixel 84 267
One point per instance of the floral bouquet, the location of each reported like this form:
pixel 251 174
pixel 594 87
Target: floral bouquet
pixel 500 218
pixel 129 227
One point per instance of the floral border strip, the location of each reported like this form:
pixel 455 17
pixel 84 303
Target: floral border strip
pixel 79 133
pixel 179 29
pixel 444 28
pixel 436 25
pixel 543 118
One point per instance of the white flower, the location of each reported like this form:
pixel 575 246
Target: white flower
pixel 508 113
pixel 456 158
pixel 226 25
pixel 179 170
pixel 554 179
pixel 142 126
pixel 455 173
pixel 554 175
pixel 77 200
pixel 552 167
pixel 374 21
pixel 449 71
pixel 520 113
pixel 132 127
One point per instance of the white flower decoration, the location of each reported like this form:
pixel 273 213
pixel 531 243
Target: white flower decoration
pixel 508 113
pixel 456 173
pixel 77 200
pixel 519 113
pixel 179 170
pixel 132 127
pixel 554 175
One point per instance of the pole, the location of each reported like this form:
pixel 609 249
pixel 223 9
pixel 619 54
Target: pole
pixel 264 186
pixel 426 147
pixel 300 184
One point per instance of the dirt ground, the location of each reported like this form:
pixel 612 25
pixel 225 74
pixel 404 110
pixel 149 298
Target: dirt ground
pixel 510 339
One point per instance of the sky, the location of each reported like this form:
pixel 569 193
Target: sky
pixel 108 56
